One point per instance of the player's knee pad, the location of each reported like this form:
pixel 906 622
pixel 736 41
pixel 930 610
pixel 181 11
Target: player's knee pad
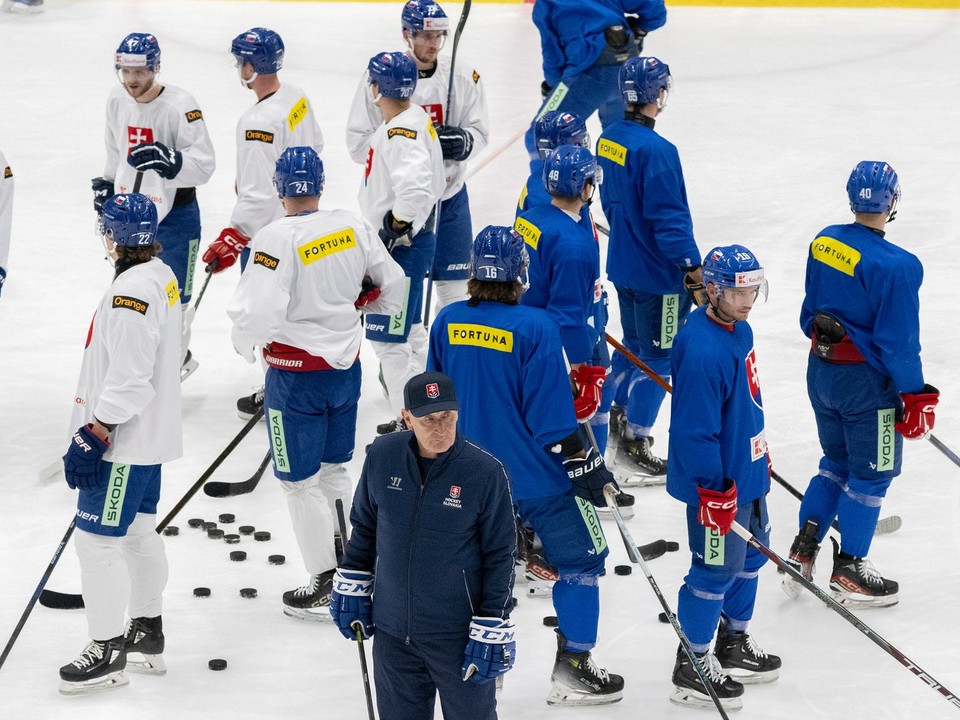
pixel 95 549
pixel 709 584
pixel 292 488
pixel 587 575
pixel 867 492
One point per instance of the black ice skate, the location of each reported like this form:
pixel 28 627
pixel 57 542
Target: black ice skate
pixel 395 425
pixel 856 582
pixel 625 503
pixel 634 463
pixel 689 690
pixel 310 602
pixel 143 643
pixel 540 576
pixel 578 681
pixel 803 556
pixel 744 660
pixel 99 667
pixel 248 406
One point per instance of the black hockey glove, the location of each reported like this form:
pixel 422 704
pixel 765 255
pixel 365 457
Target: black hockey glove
pixel 455 142
pixel 165 161
pixel 392 237
pixel 589 476
pixel 102 191
pixel 638 32
pixel 545 89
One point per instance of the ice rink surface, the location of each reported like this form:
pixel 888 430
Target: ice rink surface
pixel 772 108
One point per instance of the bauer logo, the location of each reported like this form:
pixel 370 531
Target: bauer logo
pixel 528 231
pixel 835 254
pixel 482 336
pixel 259 136
pixel 268 261
pixel 612 151
pixel 327 245
pixel 194 115
pixel 297 113
pixel 402 132
pixel 130 303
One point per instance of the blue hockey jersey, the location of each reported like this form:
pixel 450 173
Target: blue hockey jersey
pixel 872 287
pixel 534 194
pixel 564 276
pixel 571 31
pixel 512 385
pixel 645 200
pixel 716 412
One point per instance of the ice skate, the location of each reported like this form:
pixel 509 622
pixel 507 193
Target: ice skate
pixel 618 419
pixel 625 503
pixel 310 602
pixel 143 643
pixel 744 660
pixel 803 556
pixel 856 583
pixel 635 465
pixel 99 667
pixel 578 681
pixel 540 577
pixel 249 405
pixel 689 690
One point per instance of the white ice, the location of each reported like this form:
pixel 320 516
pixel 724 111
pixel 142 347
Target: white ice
pixel 772 108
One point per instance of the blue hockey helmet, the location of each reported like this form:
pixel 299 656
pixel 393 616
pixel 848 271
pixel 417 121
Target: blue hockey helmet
pixel 131 220
pixel 568 169
pixel 138 50
pixel 557 128
pixel 394 73
pixel 420 15
pixel 873 187
pixel 499 255
pixel 261 47
pixel 734 267
pixel 299 173
pixel 642 79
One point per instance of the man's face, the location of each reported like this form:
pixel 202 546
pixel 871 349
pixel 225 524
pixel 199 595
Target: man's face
pixel 136 81
pixel 735 303
pixel 435 432
pixel 425 44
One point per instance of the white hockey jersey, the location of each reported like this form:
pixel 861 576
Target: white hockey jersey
pixel 281 120
pixel 404 170
pixel 304 274
pixel 172 118
pixel 131 367
pixel 469 112
pixel 6 210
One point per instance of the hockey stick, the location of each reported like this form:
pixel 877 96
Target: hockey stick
pixel 38 591
pixel 884 526
pixel 68 601
pixel 602 229
pixel 220 489
pixel 657 548
pixel 825 597
pixel 944 449
pixel 610 494
pixel 453 55
pixel 138 181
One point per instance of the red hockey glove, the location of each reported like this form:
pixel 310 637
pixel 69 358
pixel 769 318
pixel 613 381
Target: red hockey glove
pixel 368 293
pixel 718 509
pixel 225 250
pixel 918 412
pixel 589 379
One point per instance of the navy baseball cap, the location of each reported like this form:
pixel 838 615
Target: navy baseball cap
pixel 429 392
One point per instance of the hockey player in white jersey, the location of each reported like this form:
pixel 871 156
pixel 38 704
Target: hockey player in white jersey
pixel 311 275
pixel 402 183
pixel 6 217
pixel 157 133
pixel 463 129
pixel 282 117
pixel 127 411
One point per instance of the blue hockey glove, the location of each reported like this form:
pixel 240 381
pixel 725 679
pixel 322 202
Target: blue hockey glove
pixel 102 191
pixel 491 650
pixel 455 142
pixel 589 476
pixel 351 603
pixel 392 237
pixel 165 161
pixel 81 464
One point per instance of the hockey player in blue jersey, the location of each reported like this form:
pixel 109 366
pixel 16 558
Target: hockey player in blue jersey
pixel 865 381
pixel 584 43
pixel 651 258
pixel 718 468
pixel 507 361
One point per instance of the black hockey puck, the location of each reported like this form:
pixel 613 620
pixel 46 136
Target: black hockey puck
pixel 246 529
pixel 227 518
pixel 672 546
pixel 238 556
pixel 201 592
pixel 209 525
pixel 195 522
pixel 217 664
pixel 231 539
pixel 261 535
pixel 550 620
pixel 215 534
pixel 170 530
pixel 276 559
pixel 248 592
pixel 623 570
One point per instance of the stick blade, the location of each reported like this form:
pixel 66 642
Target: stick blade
pixel 61 601
pixel 653 550
pixel 889 525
